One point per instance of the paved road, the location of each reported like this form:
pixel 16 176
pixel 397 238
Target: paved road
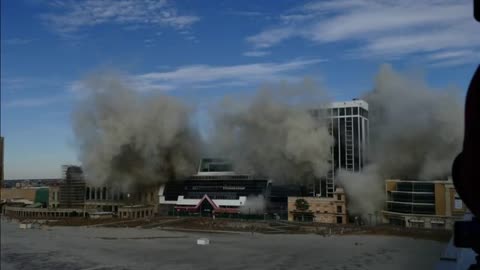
pixel 123 248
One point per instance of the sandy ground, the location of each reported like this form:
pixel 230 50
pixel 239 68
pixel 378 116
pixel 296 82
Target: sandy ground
pixel 129 248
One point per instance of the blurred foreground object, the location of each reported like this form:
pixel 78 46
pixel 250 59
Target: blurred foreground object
pixel 476 10
pixel 465 172
pixel 457 258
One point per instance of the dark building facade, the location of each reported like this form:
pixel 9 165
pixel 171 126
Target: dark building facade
pixel 110 199
pixel 348 124
pixel 278 200
pixel 72 188
pixel 214 187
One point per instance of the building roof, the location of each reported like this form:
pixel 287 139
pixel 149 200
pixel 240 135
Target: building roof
pixel 350 103
pixel 216 208
pixel 419 181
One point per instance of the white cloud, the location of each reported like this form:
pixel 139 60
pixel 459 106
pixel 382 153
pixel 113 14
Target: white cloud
pixel 79 90
pixel 271 37
pixel 453 58
pixel 378 28
pixel 73 16
pixel 292 18
pixel 33 102
pixel 16 41
pixel 21 83
pixel 206 76
pixel 450 54
pixel 12 84
pixel 256 53
pixel 248 13
pixel 248 72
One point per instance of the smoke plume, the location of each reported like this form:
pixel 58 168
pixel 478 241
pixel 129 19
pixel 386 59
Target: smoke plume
pixel 125 138
pixel 274 134
pixel 415 133
pixel 254 205
pixel 365 191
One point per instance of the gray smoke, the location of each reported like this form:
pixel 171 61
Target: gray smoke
pixel 125 138
pixel 254 205
pixel 415 133
pixel 274 134
pixel 365 191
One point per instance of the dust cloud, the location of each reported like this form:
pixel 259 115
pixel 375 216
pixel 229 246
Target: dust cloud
pixel 254 205
pixel 365 191
pixel 274 134
pixel 415 133
pixel 125 138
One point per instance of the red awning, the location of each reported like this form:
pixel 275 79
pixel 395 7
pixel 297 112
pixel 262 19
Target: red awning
pixel 227 210
pixel 216 208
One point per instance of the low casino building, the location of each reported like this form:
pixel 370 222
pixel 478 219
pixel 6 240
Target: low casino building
pixel 319 209
pixel 422 204
pixel 215 189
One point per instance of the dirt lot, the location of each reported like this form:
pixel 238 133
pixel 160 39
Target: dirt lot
pixel 259 226
pixel 87 247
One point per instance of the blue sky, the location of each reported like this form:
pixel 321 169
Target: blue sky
pixel 203 50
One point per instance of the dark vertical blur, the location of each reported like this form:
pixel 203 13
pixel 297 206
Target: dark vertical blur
pixel 476 10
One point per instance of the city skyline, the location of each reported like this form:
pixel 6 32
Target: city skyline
pixel 49 47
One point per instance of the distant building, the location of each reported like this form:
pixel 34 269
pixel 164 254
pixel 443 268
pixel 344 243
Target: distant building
pixel 348 124
pixel 28 195
pixel 108 199
pixel 423 204
pixel 18 193
pixel 318 209
pixel 40 182
pixel 216 188
pixel 53 194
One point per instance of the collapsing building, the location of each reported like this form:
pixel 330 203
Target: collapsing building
pixel 57 201
pixel 72 188
pixel 215 189
pixel 348 124
pixel 316 209
pixel 74 193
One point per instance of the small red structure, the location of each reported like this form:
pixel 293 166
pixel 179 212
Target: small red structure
pixel 207 205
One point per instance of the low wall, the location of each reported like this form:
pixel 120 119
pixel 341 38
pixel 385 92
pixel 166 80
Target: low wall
pixel 136 212
pixel 23 212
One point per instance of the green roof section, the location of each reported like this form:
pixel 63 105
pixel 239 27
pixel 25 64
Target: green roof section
pixel 41 196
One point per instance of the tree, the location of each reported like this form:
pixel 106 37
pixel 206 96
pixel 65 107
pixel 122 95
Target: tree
pixel 302 205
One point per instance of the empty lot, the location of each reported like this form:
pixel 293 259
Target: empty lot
pixel 130 248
